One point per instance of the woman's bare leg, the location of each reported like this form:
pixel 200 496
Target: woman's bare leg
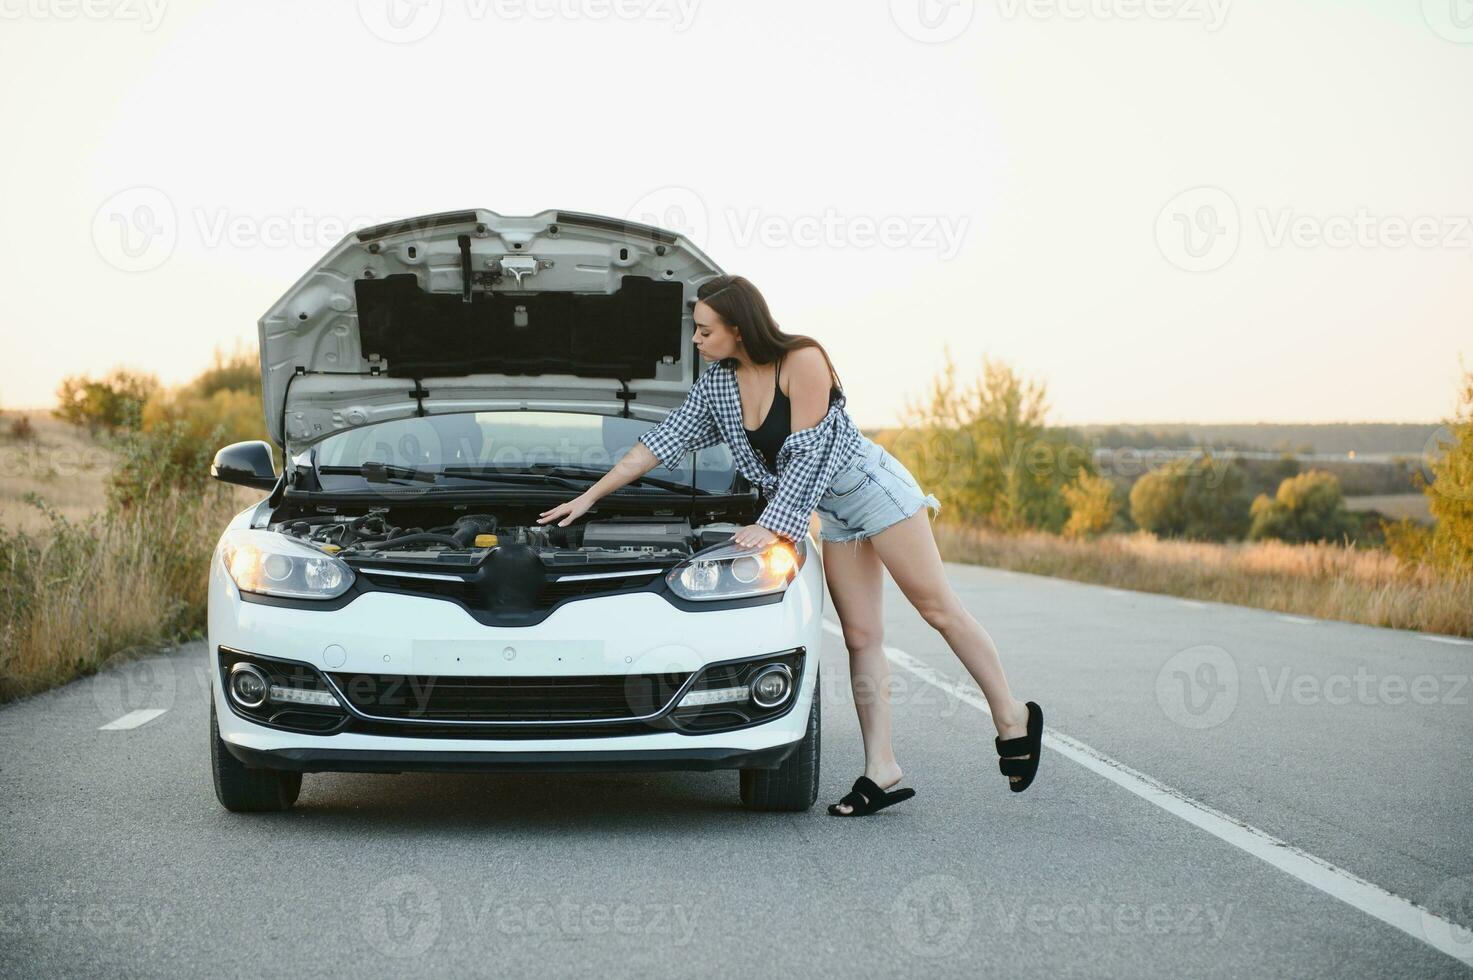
pixel 856 586
pixel 908 550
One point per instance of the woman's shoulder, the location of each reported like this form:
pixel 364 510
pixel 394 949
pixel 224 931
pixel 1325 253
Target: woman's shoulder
pixel 807 366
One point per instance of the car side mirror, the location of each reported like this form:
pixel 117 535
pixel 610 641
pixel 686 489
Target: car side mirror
pixel 246 463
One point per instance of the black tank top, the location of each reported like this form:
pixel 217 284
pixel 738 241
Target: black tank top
pixel 768 437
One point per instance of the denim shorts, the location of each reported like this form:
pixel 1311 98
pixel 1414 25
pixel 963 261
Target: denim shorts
pixel 868 494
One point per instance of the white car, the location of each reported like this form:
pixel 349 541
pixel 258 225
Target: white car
pixel 393 604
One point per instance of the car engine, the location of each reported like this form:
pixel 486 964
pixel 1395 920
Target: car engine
pixel 470 538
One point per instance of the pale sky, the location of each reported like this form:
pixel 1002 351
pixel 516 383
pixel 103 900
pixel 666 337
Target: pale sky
pixel 1167 210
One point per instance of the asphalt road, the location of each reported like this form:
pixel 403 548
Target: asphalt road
pixel 1348 744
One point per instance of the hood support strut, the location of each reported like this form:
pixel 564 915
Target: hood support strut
pixel 465 268
pixel 626 396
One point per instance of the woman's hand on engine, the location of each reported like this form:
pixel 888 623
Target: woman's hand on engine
pixel 569 511
pixel 754 536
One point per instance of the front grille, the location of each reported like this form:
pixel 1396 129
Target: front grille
pixel 509 699
pixel 554 592
pixel 401 729
pixel 479 594
pixel 462 590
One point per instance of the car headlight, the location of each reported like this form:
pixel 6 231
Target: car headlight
pixel 728 571
pixel 272 564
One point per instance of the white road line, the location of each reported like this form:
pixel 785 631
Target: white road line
pixel 1420 923
pixel 132 719
pixel 1296 619
pixel 1192 603
pixel 1446 639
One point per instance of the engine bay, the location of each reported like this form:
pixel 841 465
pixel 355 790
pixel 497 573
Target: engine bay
pixel 427 535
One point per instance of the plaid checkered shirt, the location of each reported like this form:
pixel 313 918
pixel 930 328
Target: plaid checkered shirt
pixel 806 463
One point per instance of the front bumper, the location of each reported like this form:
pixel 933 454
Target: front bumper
pixel 313 759
pixel 604 635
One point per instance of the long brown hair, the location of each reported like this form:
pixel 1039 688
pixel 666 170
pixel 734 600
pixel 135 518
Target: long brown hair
pixel 742 307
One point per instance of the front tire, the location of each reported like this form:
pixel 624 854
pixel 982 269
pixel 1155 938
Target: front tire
pixel 794 784
pixel 242 789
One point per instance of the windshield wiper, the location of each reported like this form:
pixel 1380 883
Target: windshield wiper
pixel 594 473
pixel 571 476
pixel 384 472
pixel 507 476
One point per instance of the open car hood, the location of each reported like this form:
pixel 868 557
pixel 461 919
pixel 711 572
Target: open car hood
pixel 473 311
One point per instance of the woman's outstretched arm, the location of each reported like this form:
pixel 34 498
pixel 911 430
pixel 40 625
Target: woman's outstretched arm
pixel 630 467
pixel 691 426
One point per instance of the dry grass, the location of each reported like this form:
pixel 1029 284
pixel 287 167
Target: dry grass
pixel 1324 581
pixel 77 596
pixel 63 465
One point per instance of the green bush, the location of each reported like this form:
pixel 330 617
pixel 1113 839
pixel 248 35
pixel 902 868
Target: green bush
pixel 221 405
pixel 157 462
pixel 1092 505
pixel 1409 541
pixel 108 403
pixel 1450 493
pixel 1307 507
pixel 987 453
pixel 1192 498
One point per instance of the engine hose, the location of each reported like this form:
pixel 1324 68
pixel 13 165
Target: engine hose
pixel 420 538
pixel 472 525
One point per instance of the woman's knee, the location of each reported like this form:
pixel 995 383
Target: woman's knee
pixel 863 636
pixel 942 612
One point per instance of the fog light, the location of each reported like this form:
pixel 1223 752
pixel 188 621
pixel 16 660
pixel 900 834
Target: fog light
pixel 248 686
pixel 295 695
pixel 771 686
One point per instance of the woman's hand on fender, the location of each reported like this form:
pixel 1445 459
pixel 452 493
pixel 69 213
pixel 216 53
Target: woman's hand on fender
pixel 754 536
pixel 568 512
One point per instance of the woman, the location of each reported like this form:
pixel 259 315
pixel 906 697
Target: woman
pixel 799 445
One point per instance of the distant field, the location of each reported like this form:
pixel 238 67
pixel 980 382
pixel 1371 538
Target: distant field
pixel 1321 580
pixel 63 465
pixel 1375 439
pixel 1394 505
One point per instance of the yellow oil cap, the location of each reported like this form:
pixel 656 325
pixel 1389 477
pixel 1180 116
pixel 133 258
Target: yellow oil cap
pixel 486 541
pixel 331 549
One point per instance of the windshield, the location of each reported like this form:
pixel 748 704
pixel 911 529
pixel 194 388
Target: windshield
pixel 477 441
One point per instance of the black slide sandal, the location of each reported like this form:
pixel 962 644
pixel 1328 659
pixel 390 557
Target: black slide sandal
pixel 1030 745
pixel 866 797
